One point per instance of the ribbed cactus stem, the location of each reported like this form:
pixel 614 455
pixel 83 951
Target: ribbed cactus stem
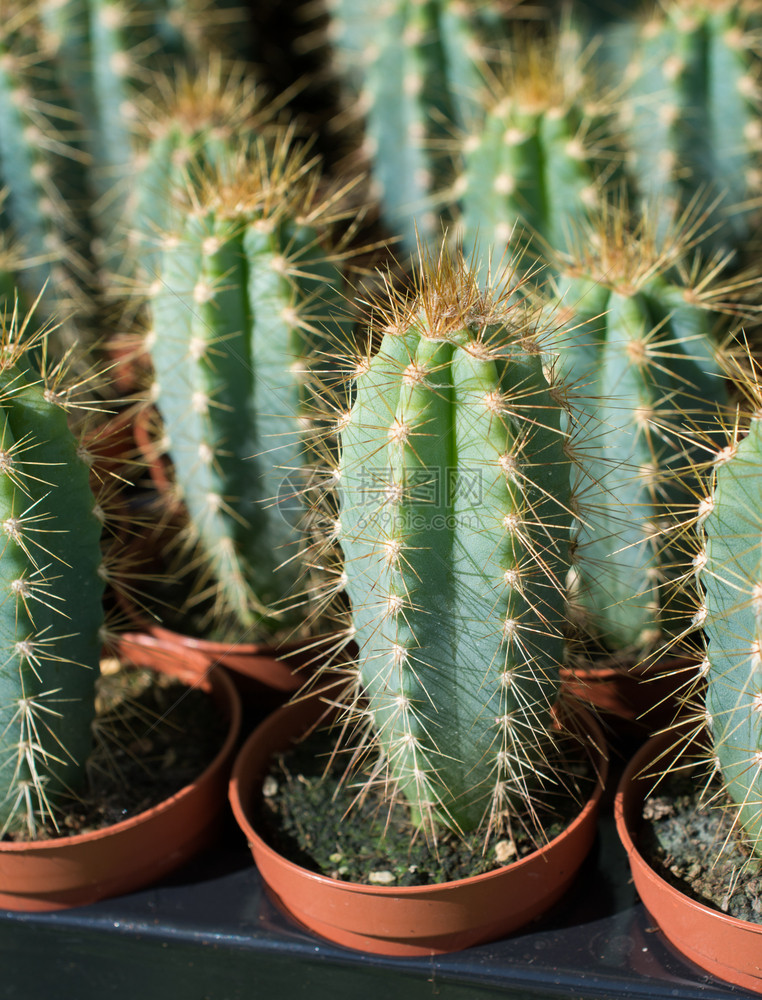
pixel 691 114
pixel 107 53
pixel 730 570
pixel 50 575
pixel 243 291
pixel 454 524
pixel 36 148
pixel 539 152
pixel 642 349
pixel 409 71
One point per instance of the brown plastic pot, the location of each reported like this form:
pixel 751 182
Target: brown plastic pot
pixel 407 920
pixel 725 946
pixel 256 663
pixel 73 871
pixel 645 696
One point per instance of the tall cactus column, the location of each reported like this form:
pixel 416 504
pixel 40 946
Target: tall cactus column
pixel 639 342
pixel 454 525
pixel 730 570
pixel 52 582
pixel 245 286
pixel 691 112
pixel 409 73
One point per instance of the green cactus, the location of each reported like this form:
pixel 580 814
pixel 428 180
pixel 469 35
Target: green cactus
pixel 191 122
pixel 245 286
pixel 409 70
pixel 53 574
pixel 39 157
pixel 454 522
pixel 539 152
pixel 729 570
pixel 636 332
pixel 691 111
pixel 107 53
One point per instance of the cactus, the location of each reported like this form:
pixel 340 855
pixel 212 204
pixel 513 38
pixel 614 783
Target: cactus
pixel 54 574
pixel 728 570
pixel 107 53
pixel 191 122
pixel 540 151
pixel 691 111
pixel 409 70
pixel 454 522
pixel 38 158
pixel 237 310
pixel 636 332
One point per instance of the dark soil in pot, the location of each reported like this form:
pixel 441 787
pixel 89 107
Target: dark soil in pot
pixel 692 844
pixel 154 735
pixel 313 815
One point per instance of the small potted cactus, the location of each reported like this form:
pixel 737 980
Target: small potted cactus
pixel 248 288
pixel 640 329
pixel 63 543
pixel 719 746
pixel 451 514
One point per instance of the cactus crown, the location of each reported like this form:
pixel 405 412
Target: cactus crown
pixel 214 96
pixel 453 522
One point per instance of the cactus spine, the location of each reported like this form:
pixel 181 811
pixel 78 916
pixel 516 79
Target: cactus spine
pixel 52 579
pixel 454 523
pixel 237 312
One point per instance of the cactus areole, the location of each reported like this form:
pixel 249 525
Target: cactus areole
pixel 454 524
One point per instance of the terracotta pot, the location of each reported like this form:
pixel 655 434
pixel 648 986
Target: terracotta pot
pixel 256 668
pixel 408 920
pixel 645 696
pixel 73 871
pixel 725 946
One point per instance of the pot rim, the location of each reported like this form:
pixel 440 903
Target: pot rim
pixel 596 748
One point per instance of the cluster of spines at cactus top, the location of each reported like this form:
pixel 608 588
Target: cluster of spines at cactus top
pixel 727 688
pixel 454 519
pixel 53 575
pixel 410 72
pixel 637 331
pixel 690 111
pixel 246 286
pixel 540 149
